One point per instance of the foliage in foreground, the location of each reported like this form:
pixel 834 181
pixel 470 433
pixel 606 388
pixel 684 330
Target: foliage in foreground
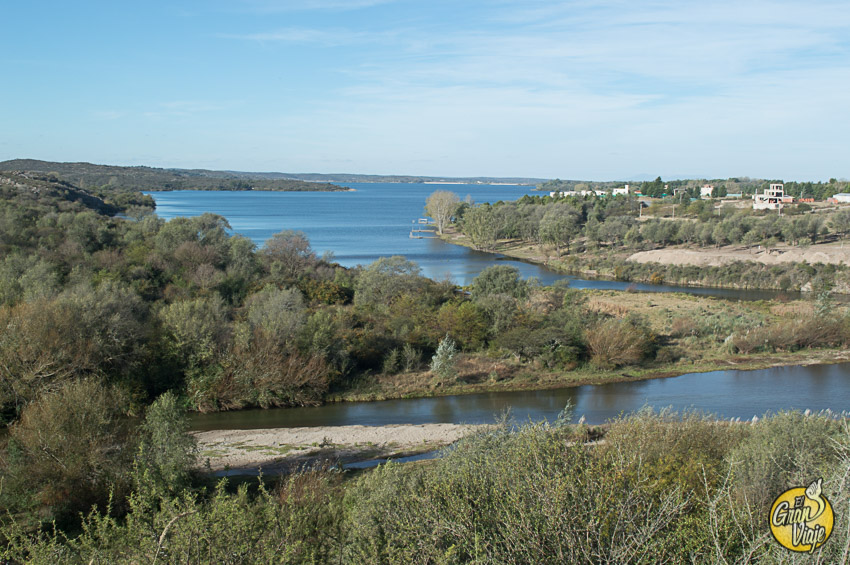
pixel 662 488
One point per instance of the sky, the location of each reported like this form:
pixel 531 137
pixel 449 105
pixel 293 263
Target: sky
pixel 596 90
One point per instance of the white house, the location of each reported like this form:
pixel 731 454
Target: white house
pixel 577 193
pixel 706 191
pixel 772 199
pixel 623 191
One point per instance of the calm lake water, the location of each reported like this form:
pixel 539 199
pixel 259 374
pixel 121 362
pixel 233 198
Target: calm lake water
pixel 375 221
pixel 728 394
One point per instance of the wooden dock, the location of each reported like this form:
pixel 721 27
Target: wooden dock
pixel 427 233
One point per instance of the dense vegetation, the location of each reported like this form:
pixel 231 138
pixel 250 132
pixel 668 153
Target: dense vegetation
pixel 661 488
pixel 690 188
pixel 597 234
pixel 110 178
pixel 184 306
pixel 606 222
pixel 110 326
pixel 154 306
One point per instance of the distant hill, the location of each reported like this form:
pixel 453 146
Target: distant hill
pixel 46 190
pixel 87 175
pixel 350 177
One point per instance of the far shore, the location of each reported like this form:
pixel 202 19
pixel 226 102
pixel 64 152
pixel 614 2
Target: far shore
pixel 834 253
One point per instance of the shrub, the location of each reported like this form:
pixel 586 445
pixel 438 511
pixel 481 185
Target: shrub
pixel 260 374
pixel 411 358
pixel 392 362
pixel 614 342
pixel 297 523
pixel 166 451
pixel 499 279
pixel 444 360
pixel 782 451
pixel 521 496
pixel 69 449
pixel 682 327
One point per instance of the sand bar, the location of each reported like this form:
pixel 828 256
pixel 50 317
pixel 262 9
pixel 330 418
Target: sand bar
pixel 278 449
pixel 707 257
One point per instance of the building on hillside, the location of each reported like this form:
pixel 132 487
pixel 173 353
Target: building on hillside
pixel 621 191
pixel 773 198
pixel 706 191
pixel 840 198
pixel 564 193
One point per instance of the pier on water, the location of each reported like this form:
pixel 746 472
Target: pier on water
pixel 423 228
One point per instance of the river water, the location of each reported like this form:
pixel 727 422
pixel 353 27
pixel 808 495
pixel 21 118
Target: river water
pixel 375 221
pixel 727 394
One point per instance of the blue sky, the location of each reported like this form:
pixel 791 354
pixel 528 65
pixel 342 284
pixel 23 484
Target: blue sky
pixel 599 90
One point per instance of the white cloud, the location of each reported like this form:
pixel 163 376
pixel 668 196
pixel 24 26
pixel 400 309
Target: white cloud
pixel 600 89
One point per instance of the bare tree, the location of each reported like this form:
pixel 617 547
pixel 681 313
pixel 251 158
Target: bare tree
pixel 442 205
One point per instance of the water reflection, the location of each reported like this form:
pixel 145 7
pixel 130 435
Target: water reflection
pixel 728 394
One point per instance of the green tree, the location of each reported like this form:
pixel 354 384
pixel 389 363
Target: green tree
pixel 839 222
pixel 559 226
pixel 480 226
pixel 464 322
pixel 288 253
pixel 278 313
pixel 166 452
pixel 197 330
pixel 386 279
pixel 445 359
pixel 499 279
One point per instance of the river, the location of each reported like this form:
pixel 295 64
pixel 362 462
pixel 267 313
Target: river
pixel 375 221
pixel 727 394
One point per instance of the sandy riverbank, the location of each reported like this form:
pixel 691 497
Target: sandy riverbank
pixel 826 254
pixel 279 449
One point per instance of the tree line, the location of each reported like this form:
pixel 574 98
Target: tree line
pixel 614 223
pixel 691 188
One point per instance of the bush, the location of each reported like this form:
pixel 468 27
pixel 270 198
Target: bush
pixel 298 523
pixel 614 342
pixel 69 449
pixel 782 451
pixel 444 360
pixel 522 496
pixel 790 335
pixel 263 375
pixel 499 279
pixel 386 279
pixel 683 327
pixel 676 450
pixel 166 451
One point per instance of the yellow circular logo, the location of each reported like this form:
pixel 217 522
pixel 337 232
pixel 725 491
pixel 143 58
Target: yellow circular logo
pixel 801 518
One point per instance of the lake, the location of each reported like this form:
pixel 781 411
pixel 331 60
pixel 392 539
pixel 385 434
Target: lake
pixel 375 221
